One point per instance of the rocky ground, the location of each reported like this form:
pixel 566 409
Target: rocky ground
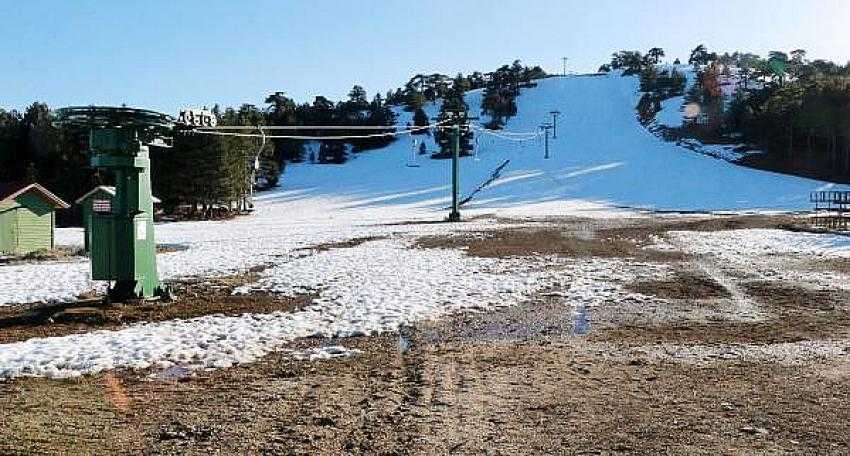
pixel 638 350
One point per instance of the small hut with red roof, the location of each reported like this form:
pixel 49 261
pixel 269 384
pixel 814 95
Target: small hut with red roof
pixel 27 218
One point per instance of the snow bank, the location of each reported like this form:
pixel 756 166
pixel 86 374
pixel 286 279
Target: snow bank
pixel 29 283
pixel 766 253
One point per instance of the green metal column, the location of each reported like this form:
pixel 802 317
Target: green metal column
pixel 454 216
pixel 123 249
pixel 129 258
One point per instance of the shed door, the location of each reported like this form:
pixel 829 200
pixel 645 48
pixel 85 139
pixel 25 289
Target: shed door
pixel 35 231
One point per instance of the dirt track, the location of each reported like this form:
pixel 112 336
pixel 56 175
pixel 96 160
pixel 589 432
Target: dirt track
pixel 542 378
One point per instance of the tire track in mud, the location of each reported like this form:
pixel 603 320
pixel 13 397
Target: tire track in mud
pixel 744 308
pixel 389 414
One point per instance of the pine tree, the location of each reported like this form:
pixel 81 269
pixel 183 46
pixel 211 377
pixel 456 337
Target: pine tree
pixel 654 55
pixel 283 112
pixel 701 56
pixel 378 115
pixel 420 119
pixel 333 152
pixel 631 62
pixel 453 110
pixel 357 99
pixel 14 156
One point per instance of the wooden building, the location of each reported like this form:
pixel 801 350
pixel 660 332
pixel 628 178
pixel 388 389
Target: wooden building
pixel 27 218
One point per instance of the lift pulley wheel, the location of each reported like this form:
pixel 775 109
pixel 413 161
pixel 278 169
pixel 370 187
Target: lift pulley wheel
pixel 150 125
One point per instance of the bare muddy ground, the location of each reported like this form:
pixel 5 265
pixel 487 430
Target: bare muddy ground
pixel 195 298
pixel 711 360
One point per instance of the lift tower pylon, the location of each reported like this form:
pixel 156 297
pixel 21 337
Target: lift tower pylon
pixel 123 249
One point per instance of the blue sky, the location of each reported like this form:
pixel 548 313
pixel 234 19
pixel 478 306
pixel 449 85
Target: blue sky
pixel 165 55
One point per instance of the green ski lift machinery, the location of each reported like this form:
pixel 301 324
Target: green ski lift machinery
pixel 123 249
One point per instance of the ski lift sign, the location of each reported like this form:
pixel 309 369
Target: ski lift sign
pixel 102 206
pixel 197 118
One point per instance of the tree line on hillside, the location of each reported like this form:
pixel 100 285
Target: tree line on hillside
pixel 794 109
pixel 633 62
pixel 205 173
pixel 356 111
pixel 501 87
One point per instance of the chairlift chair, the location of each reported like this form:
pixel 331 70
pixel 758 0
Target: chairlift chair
pixel 414 147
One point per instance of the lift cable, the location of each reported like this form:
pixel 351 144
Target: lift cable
pixel 516 138
pixel 482 128
pixel 308 127
pixel 304 137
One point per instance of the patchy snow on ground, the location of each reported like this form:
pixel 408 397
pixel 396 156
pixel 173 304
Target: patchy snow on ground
pixel 769 254
pixel 398 284
pixel 745 244
pixel 28 283
pixel 593 282
pixel 322 353
pixel 220 248
pixel 378 286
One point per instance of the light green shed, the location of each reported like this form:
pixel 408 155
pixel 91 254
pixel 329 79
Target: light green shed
pixel 27 218
pixel 99 199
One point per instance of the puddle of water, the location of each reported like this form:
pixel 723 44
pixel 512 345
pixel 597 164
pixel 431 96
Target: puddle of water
pixel 403 344
pixel 580 323
pixel 511 330
pixel 173 373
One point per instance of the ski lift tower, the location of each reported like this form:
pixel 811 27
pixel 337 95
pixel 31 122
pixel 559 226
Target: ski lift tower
pixel 123 249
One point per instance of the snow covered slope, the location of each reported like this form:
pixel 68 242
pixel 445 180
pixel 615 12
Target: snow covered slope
pixel 602 154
